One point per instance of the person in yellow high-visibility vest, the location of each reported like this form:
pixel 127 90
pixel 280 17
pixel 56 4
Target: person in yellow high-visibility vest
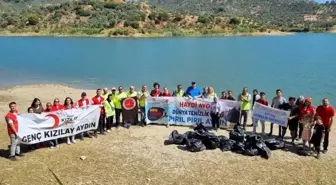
pixel 142 95
pixel 211 93
pixel 105 93
pixel 131 93
pixel 109 112
pixel 117 97
pixel 178 92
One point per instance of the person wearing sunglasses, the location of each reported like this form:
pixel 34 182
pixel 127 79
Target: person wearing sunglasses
pixel 56 106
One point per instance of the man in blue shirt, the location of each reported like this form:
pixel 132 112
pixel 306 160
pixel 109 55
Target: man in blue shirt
pixel 193 91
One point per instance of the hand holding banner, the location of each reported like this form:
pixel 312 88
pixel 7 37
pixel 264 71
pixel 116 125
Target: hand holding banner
pixel 265 113
pixel 36 128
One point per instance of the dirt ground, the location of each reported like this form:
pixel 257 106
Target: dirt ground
pixel 138 156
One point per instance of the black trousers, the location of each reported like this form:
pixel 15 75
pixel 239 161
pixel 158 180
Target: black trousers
pixel 109 122
pixel 214 120
pixel 326 139
pixel 244 113
pixel 101 125
pixel 118 113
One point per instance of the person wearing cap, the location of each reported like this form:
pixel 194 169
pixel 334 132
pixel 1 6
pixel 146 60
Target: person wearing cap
pixel 327 113
pixel 193 91
pixel 178 92
pixel 262 101
pixel 245 99
pixel 307 112
pixel 82 103
pixel 156 92
pixel 142 95
pixel 211 94
pixel 276 102
pixel 117 103
pixel 293 119
pixel 131 93
pixel 105 93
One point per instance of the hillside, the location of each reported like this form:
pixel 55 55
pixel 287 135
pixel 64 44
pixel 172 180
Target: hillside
pixel 163 17
pixel 273 13
pixel 101 18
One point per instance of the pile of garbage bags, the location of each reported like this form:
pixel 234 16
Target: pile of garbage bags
pixel 201 139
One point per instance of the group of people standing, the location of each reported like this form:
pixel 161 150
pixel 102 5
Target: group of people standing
pixel 111 110
pixel 304 118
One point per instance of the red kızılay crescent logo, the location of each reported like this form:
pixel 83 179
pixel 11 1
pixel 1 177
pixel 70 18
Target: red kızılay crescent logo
pixel 55 117
pixel 129 103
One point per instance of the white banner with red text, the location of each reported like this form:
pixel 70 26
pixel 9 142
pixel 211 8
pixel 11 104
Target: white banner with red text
pixel 36 128
pixel 189 111
pixel 265 113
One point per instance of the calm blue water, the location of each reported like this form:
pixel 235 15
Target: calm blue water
pixel 302 64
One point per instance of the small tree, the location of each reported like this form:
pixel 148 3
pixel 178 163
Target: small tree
pixel 33 19
pixel 234 21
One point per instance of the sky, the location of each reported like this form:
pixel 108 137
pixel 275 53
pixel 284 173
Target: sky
pixel 320 1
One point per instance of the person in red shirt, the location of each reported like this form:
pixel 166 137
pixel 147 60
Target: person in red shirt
pixel 13 129
pixel 48 107
pixel 98 100
pixel 166 92
pixel 68 104
pixel 82 103
pixel 57 106
pixel 262 101
pixel 156 92
pixel 53 143
pixel 327 113
pixel 307 112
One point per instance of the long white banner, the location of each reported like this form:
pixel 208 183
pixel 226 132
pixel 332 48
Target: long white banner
pixel 36 128
pixel 265 113
pixel 188 111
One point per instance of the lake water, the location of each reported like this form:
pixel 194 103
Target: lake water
pixel 302 64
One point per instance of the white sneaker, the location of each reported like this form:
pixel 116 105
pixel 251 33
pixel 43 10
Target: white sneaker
pixel 73 141
pixel 51 147
pixel 68 141
pixel 108 131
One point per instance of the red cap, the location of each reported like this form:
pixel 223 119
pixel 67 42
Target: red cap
pixel 308 99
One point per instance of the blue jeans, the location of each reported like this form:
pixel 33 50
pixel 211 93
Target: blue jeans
pixel 143 115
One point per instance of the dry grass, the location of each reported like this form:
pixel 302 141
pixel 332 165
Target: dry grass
pixel 138 156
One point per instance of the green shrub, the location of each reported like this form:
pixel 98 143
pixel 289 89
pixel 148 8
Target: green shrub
pixel 132 24
pixel 83 13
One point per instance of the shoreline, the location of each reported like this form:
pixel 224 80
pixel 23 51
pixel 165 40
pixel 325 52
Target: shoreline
pixel 253 34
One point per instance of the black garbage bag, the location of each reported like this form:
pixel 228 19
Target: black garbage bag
pixel 275 144
pixel 210 140
pixel 226 144
pixel 194 145
pixel 200 128
pixel 238 147
pixel 237 134
pixel 264 151
pixel 251 140
pixel 191 134
pixel 176 138
pixel 251 151
pixel 222 138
